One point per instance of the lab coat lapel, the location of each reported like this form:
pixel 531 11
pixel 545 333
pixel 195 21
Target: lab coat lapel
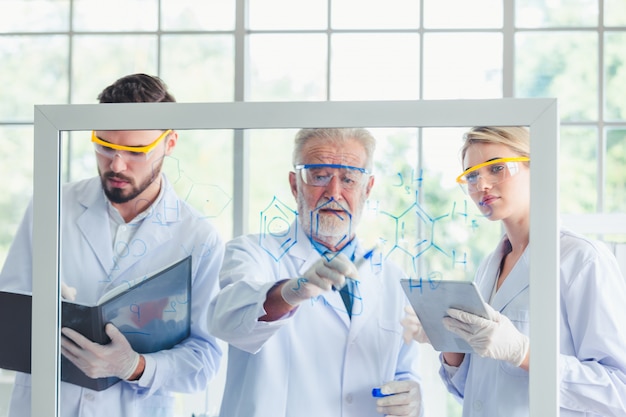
pixel 367 297
pixel 490 274
pixel 515 283
pixel 154 229
pixel 152 233
pixel 330 299
pixel 93 223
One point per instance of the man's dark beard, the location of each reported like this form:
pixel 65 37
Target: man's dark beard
pixel 117 196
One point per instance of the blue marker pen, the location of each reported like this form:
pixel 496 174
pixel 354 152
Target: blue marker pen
pixel 361 261
pixel 376 392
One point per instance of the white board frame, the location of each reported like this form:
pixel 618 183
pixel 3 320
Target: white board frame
pixel 540 115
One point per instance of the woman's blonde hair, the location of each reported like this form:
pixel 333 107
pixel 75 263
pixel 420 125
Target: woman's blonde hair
pixel 515 137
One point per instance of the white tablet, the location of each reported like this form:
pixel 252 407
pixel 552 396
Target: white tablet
pixel 431 299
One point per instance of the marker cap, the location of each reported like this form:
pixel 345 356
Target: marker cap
pixel 376 392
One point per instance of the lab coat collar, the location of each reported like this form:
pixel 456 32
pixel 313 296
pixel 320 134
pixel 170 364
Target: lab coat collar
pixel 94 224
pixel 514 284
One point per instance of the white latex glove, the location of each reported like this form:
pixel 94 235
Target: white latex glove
pixel 100 361
pixel 495 338
pixel 404 399
pixel 322 276
pixel 413 329
pixel 67 292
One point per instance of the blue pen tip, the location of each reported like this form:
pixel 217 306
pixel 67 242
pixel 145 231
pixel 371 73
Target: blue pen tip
pixel 368 254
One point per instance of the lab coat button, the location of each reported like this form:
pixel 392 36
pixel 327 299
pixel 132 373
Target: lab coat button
pixel 89 396
pixel 349 398
pixel 478 405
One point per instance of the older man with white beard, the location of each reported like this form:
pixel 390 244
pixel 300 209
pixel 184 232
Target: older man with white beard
pixel 311 334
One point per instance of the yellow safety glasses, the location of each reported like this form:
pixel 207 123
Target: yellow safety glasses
pixel 492 172
pixel 127 153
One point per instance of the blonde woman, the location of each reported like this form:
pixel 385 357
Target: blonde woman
pixel 493 380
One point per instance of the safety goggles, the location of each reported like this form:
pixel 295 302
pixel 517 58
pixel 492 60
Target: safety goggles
pixel 320 175
pixel 492 172
pixel 127 153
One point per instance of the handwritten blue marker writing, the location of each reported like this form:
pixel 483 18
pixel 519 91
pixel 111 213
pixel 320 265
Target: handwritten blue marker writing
pixel 376 392
pixel 361 261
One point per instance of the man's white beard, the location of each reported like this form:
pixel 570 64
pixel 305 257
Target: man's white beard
pixel 327 227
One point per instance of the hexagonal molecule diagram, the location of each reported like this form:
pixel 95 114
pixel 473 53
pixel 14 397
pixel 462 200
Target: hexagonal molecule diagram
pixel 209 199
pixel 413 234
pixel 279 229
pixel 171 169
pixel 414 230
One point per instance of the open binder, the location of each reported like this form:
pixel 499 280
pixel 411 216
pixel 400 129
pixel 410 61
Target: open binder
pixel 153 312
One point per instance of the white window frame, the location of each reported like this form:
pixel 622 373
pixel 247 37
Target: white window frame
pixel 540 115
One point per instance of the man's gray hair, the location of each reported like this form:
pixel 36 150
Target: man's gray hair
pixel 338 136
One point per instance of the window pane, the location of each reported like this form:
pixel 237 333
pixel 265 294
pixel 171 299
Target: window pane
pixel 77 156
pixel 614 13
pixel 442 146
pixel 198 14
pixel 457 14
pixel 458 219
pixel 562 13
pixel 201 171
pixel 562 65
pixel 615 195
pixel 198 68
pixel 37 67
pixel 17 142
pixel 375 67
pixel 471 67
pixel 115 15
pixel 34 15
pixel 287 67
pixel 578 162
pixel 271 202
pixel 287 14
pixel 375 14
pixel 98 60
pixel 615 75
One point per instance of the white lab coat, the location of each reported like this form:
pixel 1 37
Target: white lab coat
pixel 170 232
pixel 592 368
pixel 315 361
